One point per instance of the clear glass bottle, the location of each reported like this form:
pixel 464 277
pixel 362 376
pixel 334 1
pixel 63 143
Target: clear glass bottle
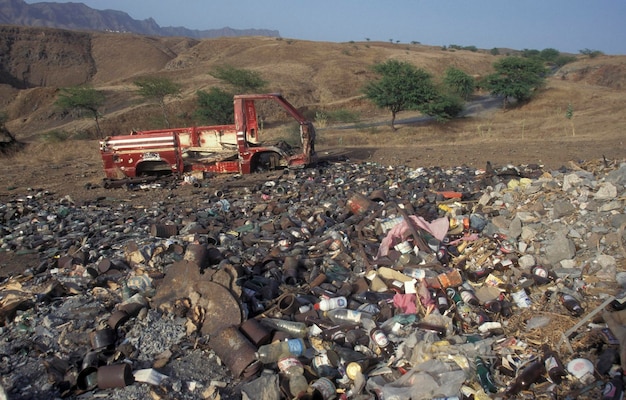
pixel 293 328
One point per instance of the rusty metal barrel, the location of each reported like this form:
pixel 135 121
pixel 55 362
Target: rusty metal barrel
pixel 236 351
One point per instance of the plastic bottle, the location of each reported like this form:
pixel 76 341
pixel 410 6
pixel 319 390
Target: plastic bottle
pixel 346 316
pixel 294 371
pixel 571 304
pixel 484 376
pixel 272 352
pixel 331 303
pixel 293 328
pixel 614 389
pixel 553 364
pixel 527 377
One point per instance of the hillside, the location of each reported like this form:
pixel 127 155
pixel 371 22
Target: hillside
pixel 78 16
pixel 315 76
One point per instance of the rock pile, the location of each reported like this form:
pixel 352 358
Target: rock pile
pixel 400 282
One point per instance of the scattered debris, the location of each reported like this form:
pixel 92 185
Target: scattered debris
pixel 366 281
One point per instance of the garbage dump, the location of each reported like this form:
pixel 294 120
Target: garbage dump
pixel 344 281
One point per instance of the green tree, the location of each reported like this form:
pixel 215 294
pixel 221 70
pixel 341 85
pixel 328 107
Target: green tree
pixel 215 107
pixel 458 82
pixel 549 55
pixel 590 53
pixel 242 80
pixel 516 77
pixel 563 59
pixel 443 107
pixel 494 51
pixel 530 53
pixel 82 98
pixel 157 89
pixel 401 86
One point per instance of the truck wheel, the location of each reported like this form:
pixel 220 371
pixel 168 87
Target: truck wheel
pixel 266 162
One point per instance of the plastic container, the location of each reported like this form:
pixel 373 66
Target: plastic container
pixel 347 316
pixel 331 303
pixel 272 352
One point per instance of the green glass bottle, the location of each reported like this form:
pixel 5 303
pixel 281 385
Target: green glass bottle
pixel 484 376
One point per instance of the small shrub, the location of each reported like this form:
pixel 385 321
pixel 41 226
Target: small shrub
pixel 344 115
pixel 562 60
pixel 321 119
pixel 55 136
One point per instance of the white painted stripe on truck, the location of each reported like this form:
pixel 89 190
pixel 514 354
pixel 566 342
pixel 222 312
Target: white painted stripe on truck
pixel 141 140
pixel 136 143
pixel 135 151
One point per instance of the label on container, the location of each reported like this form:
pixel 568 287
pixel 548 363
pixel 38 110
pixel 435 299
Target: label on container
pixel 416 273
pixel 404 247
pixel 352 315
pixel 325 387
pixel 320 360
pixel 551 363
pixel 467 296
pixel 521 299
pixel 380 338
pixel 287 362
pixel 540 272
pixel 295 346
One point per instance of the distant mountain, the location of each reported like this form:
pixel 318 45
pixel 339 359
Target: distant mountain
pixel 78 16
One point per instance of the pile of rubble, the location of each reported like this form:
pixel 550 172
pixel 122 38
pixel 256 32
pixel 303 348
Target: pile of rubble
pixel 354 281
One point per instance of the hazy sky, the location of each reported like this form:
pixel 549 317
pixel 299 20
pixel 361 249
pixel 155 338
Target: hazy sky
pixel 566 25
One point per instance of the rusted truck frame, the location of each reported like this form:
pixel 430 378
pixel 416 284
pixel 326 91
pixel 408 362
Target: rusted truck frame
pixel 234 148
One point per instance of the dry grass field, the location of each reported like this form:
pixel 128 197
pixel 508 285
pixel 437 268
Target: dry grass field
pixel 317 77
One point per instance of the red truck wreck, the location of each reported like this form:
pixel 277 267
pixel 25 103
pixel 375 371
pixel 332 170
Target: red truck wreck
pixel 232 148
